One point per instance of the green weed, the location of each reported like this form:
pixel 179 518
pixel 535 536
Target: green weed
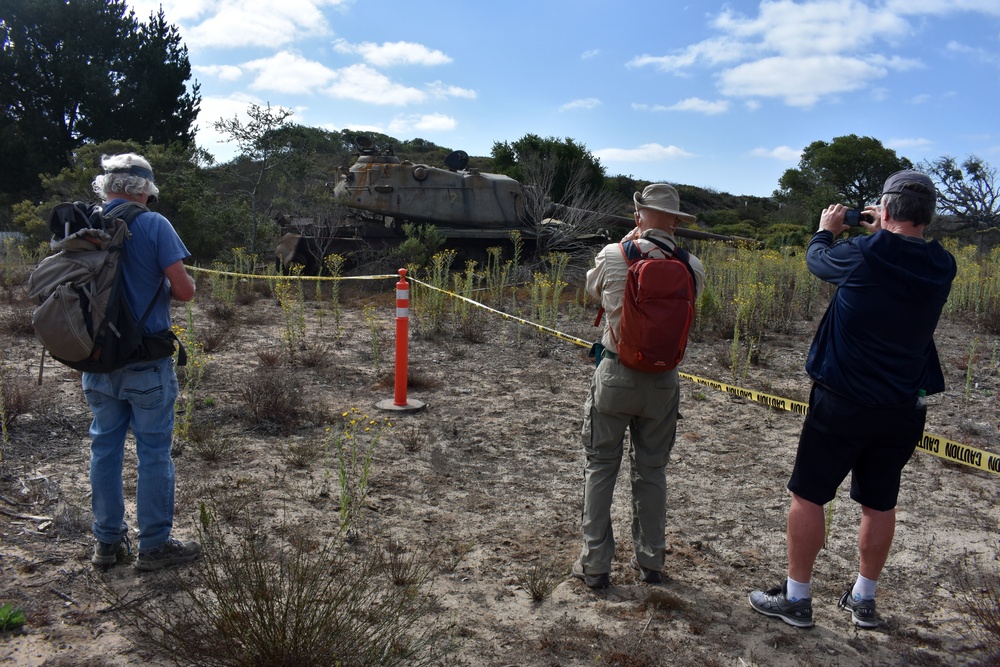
pixel 354 447
pixel 11 617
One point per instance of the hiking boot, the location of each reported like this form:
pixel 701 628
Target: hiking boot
pixel 106 554
pixel 775 603
pixel 174 552
pixel 649 576
pixel 862 611
pixel 592 580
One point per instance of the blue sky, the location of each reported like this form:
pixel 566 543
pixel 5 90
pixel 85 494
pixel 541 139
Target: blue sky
pixel 717 95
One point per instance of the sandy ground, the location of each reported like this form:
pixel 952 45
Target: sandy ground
pixel 486 483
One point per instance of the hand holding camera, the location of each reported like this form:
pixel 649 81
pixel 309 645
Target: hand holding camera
pixel 854 217
pixel 836 218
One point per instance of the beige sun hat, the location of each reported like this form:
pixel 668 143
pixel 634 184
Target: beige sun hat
pixel 661 197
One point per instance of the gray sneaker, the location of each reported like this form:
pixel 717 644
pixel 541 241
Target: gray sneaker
pixel 106 555
pixel 775 603
pixel 174 552
pixel 862 611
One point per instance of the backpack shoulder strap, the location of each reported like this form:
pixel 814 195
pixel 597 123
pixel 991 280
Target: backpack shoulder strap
pixel 127 211
pixel 631 252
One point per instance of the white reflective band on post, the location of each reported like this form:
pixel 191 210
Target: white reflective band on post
pixel 403 294
pixel 402 312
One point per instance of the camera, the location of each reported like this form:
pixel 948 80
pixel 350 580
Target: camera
pixel 853 217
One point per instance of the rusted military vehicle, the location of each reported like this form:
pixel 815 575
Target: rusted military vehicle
pixel 470 209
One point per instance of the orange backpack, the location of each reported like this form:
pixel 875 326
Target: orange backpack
pixel 657 310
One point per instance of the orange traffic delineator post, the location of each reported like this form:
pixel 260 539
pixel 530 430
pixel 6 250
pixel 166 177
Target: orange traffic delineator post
pixel 399 400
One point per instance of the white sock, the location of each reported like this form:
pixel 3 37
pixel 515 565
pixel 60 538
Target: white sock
pixel 796 590
pixel 864 589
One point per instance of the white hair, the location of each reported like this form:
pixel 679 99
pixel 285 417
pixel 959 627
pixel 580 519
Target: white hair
pixel 126 173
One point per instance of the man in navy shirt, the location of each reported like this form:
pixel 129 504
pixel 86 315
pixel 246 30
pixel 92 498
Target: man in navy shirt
pixel 872 360
pixel 140 395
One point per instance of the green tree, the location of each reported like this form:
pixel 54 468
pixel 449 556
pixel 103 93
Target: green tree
pixel 152 103
pixel 565 164
pixel 188 194
pixel 849 170
pixel 73 72
pixel 970 191
pixel 264 150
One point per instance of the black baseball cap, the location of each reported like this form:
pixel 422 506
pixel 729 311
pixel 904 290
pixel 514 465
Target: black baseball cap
pixel 911 183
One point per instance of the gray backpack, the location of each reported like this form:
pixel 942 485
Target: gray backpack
pixel 84 320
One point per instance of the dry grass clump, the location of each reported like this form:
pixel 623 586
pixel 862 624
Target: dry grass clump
pixel 15 320
pixel 269 356
pixel 18 396
pixel 664 602
pixel 540 580
pixel 253 600
pixel 210 444
pixel 302 453
pixel 272 395
pixel 219 334
pixel 315 356
pixel 979 584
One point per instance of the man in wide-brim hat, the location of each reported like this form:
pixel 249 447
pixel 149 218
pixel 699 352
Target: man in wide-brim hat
pixel 621 397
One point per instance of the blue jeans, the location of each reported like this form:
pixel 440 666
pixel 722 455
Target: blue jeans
pixel 140 396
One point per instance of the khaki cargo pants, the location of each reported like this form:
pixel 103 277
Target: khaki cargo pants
pixel 646 403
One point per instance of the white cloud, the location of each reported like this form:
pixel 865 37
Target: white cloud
pixel 434 122
pixel 941 7
pixel 287 72
pixel 714 51
pixel 804 51
pixel 389 54
pixel 591 53
pixel 918 143
pixel 699 105
pixel 364 84
pixel 355 127
pixel 695 104
pixel 236 23
pixel 800 81
pixel 223 72
pixel 795 28
pixel 979 53
pixel 441 90
pixel 781 153
pixel 636 106
pixel 585 103
pixel 645 153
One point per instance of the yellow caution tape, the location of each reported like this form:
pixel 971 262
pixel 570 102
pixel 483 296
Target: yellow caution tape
pixel 276 276
pixel 508 316
pixel 770 401
pixel 930 443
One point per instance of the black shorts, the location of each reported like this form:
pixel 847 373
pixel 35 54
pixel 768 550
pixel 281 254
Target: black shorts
pixel 840 436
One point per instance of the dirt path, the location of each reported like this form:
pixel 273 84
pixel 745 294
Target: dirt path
pixel 486 483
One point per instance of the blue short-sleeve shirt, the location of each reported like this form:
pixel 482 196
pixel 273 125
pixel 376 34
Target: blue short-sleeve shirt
pixel 153 246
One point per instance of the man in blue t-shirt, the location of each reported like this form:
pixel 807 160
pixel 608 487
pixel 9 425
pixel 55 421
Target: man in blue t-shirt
pixel 142 394
pixel 872 361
